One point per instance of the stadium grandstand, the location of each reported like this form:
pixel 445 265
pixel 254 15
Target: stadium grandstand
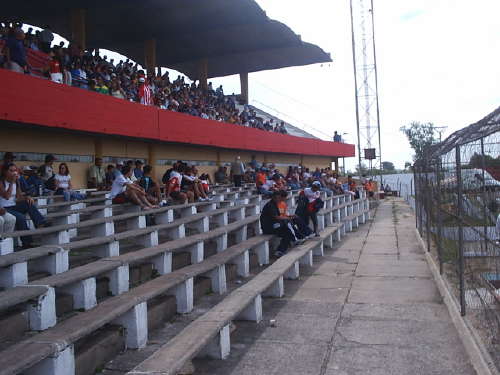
pixel 165 231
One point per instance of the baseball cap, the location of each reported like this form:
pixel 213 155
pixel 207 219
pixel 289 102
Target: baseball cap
pixel 27 168
pixel 142 80
pixel 316 183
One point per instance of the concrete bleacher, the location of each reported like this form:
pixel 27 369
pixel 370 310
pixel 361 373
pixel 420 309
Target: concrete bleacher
pixel 147 266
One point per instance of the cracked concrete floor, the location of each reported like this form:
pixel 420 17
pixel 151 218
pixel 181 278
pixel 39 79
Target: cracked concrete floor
pixel 370 306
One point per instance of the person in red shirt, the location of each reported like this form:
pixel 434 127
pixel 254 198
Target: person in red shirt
pixel 55 69
pixel 145 94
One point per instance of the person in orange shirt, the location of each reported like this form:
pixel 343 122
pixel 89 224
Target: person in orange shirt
pixel 298 226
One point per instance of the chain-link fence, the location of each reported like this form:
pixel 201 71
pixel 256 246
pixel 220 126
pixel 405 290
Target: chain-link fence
pixel 457 202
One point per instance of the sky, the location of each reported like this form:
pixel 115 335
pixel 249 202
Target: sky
pixel 437 61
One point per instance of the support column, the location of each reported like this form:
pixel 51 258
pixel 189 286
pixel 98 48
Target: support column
pixel 152 157
pixel 244 87
pixel 203 73
pixel 150 56
pixel 98 149
pixel 78 29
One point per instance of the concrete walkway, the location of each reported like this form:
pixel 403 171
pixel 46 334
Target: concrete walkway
pixel 369 307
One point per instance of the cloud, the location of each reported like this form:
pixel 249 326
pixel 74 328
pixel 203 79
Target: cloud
pixel 412 14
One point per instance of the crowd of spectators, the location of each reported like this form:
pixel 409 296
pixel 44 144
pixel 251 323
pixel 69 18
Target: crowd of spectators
pixel 86 69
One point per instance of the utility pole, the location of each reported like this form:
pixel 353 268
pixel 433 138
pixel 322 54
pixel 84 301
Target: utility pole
pixel 366 83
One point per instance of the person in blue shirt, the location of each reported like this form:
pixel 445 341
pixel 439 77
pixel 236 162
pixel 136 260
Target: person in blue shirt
pixel 138 173
pixel 16 53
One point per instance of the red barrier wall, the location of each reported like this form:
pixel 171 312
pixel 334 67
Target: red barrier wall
pixel 37 101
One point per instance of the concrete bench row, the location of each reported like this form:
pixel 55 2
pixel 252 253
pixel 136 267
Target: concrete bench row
pixel 135 319
pixel 209 335
pixel 52 351
pixel 55 259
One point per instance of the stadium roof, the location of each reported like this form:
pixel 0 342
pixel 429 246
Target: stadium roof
pixel 234 36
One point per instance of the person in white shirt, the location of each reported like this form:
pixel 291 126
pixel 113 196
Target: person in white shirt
pixel 63 184
pixel 124 190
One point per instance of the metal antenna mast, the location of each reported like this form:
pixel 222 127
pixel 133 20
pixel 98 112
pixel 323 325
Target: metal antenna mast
pixel 366 85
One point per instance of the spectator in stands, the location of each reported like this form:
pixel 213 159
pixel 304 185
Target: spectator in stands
pixel 352 187
pixel 15 56
pixel 46 37
pixel 370 188
pixel 124 190
pixel 13 201
pixel 116 90
pixel 272 222
pixel 63 184
pixel 55 69
pixel 336 137
pixel 97 176
pixel 309 204
pixel 47 172
pixel 110 176
pixel 8 158
pixel 206 181
pixel 145 93
pixel 101 86
pixel 150 186
pixel 138 169
pixel 298 227
pixel 30 183
pixel 174 185
pixel 221 175
pixel 237 171
pixel 166 176
pixel 254 163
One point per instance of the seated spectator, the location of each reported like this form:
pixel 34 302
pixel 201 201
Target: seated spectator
pixel 63 184
pixel 174 186
pixel 124 190
pixel 298 227
pixel 352 187
pixel 97 176
pixel 138 169
pixel 30 183
pixel 191 183
pixel 150 186
pixel 206 181
pixel 272 222
pixel 309 204
pixel 55 69
pixel 13 201
pixel 221 175
pixel 101 87
pixel 370 188
pixel 46 172
pixel 110 176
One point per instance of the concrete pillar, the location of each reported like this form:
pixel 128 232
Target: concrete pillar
pixel 119 280
pixel 14 275
pixel 83 292
pixel 163 263
pixel 203 73
pixel 220 346
pixel 253 311
pixel 135 322
pixel 197 252
pixel 221 242
pixel 243 264
pixel 61 363
pixel 150 56
pixel 42 312
pixel 218 278
pixel 307 259
pixel 262 251
pixel 293 272
pixel 244 87
pixel 184 296
pixel 276 289
pixel 78 27
pixel 55 263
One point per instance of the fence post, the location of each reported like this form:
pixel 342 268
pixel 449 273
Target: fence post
pixel 428 207
pixel 415 197
pixel 485 209
pixel 439 216
pixel 460 229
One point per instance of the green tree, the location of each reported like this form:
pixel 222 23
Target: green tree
pixel 407 165
pixel 388 166
pixel 420 136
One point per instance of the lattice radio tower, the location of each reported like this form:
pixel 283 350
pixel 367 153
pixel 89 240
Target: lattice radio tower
pixel 366 85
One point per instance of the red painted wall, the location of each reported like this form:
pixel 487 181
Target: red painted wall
pixel 37 101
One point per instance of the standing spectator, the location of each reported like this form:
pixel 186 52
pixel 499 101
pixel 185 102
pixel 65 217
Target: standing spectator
pixel 97 176
pixel 63 184
pixel 55 69
pixel 237 171
pixel 110 176
pixel 46 37
pixel 145 94
pixel 254 163
pixel 336 137
pixel 272 222
pixel 16 204
pixel 16 53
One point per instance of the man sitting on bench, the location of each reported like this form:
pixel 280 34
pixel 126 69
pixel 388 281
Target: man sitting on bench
pixel 124 190
pixel 272 222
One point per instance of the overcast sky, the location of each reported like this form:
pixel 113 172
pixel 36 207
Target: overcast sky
pixel 438 61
